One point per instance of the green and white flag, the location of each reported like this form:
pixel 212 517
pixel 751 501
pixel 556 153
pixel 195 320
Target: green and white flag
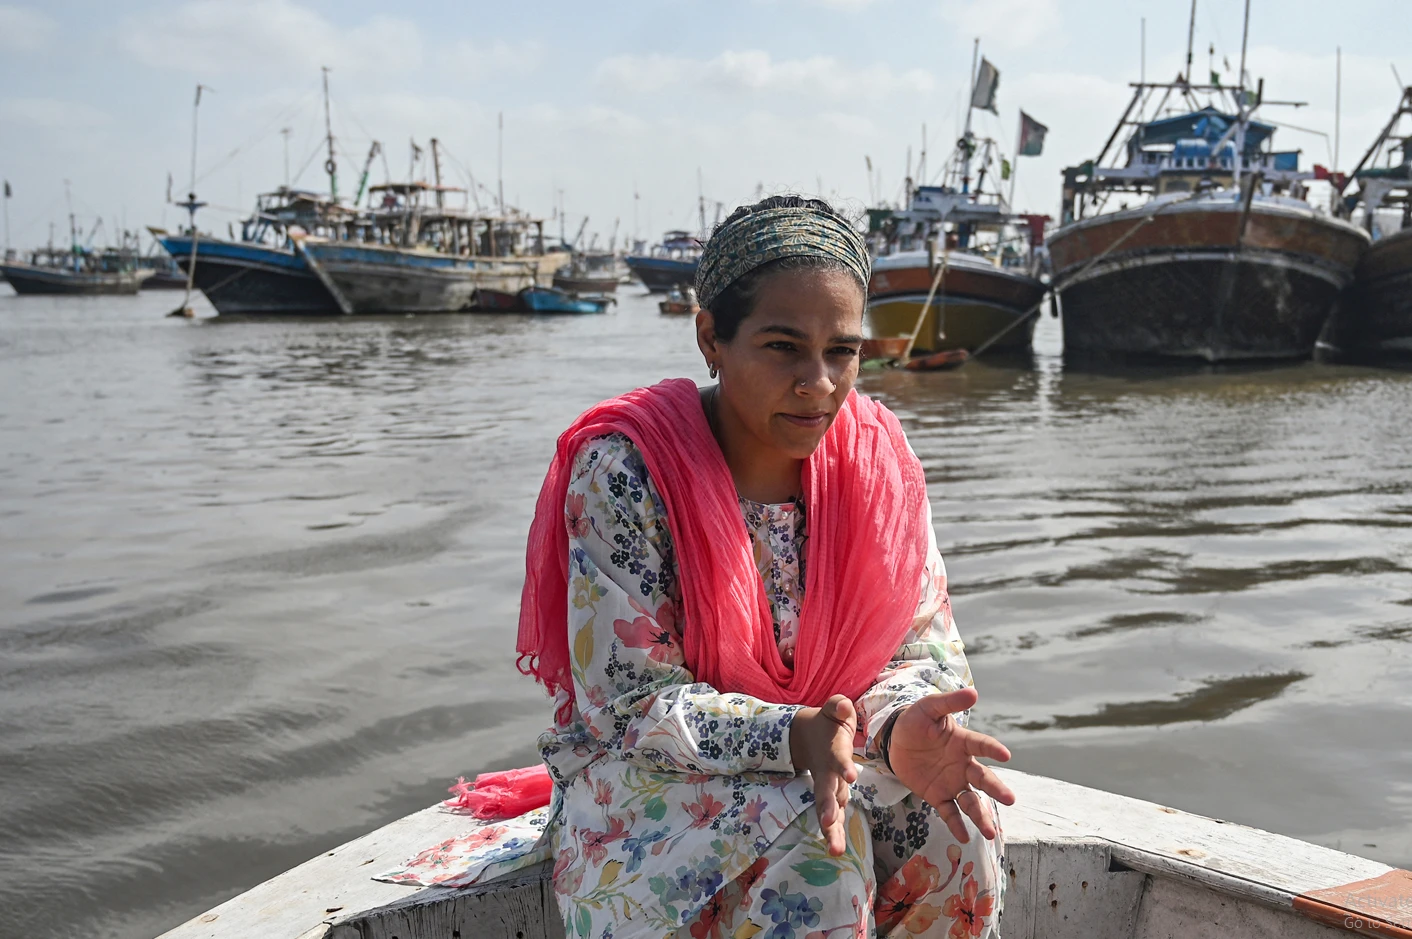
pixel 1031 136
pixel 987 83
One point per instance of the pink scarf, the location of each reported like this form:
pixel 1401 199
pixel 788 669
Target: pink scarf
pixel 864 558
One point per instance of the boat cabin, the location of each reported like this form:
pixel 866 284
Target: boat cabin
pixel 1199 150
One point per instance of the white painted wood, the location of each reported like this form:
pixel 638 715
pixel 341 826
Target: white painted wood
pixel 1174 909
pixel 1167 842
pixel 1120 867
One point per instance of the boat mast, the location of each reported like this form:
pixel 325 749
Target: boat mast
pixel 500 161
pixel 1242 116
pixel 436 171
pixel 330 166
pixel 73 230
pixel 966 134
pixel 701 203
pixel 1190 36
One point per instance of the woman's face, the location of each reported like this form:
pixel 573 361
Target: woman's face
pixel 792 361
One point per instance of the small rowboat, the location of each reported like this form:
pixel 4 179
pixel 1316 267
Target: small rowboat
pixel 681 301
pixel 551 300
pixel 1082 863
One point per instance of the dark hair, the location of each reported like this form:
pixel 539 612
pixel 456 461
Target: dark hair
pixel 734 303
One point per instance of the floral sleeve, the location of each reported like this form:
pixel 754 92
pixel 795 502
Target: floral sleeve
pixel 634 691
pixel 931 659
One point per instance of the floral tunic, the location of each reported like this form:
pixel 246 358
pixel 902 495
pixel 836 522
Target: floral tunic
pixel 677 806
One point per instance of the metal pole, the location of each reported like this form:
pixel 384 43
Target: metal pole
pixel 331 167
pixel 1142 68
pixel 284 132
pixel 500 161
pixel 1338 98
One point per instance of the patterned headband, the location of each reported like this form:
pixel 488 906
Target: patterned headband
pixel 753 240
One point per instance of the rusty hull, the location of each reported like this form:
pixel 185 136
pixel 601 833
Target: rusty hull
pixel 1195 279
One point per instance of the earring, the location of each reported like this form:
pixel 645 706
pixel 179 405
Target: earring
pixel 713 369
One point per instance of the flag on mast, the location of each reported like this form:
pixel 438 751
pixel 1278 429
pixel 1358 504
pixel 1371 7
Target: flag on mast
pixel 1031 136
pixel 987 83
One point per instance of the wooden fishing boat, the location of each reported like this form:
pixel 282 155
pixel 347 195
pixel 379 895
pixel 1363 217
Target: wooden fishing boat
pixel 1220 260
pixel 1375 318
pixel 1081 862
pixel 977 300
pixel 553 300
pixel 589 273
pixel 956 267
pixel 415 254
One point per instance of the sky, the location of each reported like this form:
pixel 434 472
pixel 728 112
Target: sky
pixel 620 110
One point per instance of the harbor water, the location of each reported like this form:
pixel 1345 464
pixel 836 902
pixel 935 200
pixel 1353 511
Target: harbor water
pixel 260 579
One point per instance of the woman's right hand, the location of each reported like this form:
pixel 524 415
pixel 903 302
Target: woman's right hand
pixel 821 741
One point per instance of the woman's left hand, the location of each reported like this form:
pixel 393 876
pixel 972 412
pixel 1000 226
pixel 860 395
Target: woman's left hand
pixel 936 758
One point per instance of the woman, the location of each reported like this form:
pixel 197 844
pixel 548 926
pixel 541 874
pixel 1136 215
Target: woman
pixel 761 696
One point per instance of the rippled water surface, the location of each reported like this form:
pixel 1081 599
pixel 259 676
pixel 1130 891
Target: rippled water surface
pixel 259 580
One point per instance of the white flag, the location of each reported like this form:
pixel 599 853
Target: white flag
pixel 987 83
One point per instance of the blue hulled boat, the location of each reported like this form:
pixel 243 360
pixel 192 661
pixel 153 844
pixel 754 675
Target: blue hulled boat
pixel 262 273
pixel 670 264
pixel 553 300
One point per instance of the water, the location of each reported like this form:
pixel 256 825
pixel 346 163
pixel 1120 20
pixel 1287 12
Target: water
pixel 258 582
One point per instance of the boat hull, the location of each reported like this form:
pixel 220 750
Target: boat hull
pixel 1375 317
pixel 659 275
pixel 542 300
pixel 239 278
pixel 597 285
pixel 368 279
pixel 975 303
pixel 1186 283
pixel 26 279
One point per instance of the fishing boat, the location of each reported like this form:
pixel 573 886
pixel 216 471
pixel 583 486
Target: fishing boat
pixel 670 263
pixel 262 272
pixel 1195 240
pixel 1375 318
pixel 75 271
pixel 554 300
pixel 590 272
pixel 1082 863
pixel 955 267
pixel 415 254
pixel 681 301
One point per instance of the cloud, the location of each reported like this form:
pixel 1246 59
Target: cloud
pixel 756 71
pixel 24 30
pixel 1005 24
pixel 236 36
pixel 498 58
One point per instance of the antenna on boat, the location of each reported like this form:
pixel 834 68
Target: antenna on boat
pixel 330 166
pixel 1190 36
